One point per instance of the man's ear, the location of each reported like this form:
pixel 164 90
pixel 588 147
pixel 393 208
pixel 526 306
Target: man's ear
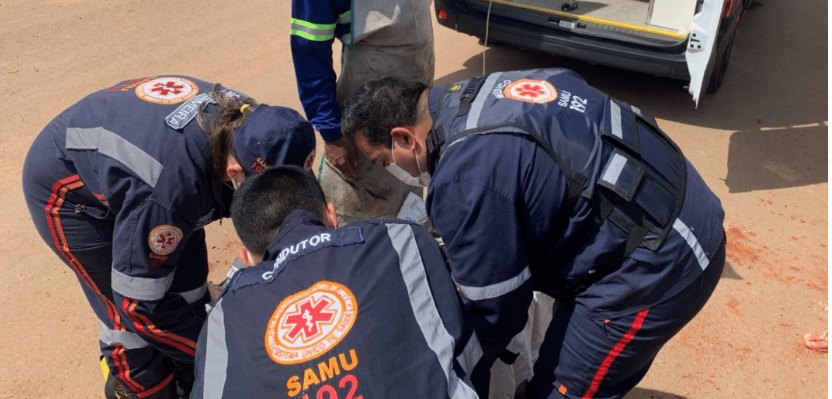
pixel 402 137
pixel 235 172
pixel 248 258
pixel 330 217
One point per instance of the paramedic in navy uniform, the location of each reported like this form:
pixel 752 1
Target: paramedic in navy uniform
pixel 539 182
pixel 120 184
pixel 367 310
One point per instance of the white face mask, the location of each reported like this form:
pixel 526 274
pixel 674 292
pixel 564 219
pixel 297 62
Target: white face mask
pixel 416 181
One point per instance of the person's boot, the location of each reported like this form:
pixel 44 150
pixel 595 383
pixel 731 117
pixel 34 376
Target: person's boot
pixel 167 392
pixel 110 387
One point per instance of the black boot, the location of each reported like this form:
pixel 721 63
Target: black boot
pixel 167 392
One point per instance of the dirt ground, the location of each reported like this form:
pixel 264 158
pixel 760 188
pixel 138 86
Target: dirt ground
pixel 761 144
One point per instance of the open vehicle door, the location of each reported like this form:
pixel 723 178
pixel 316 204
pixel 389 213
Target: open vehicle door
pixel 701 45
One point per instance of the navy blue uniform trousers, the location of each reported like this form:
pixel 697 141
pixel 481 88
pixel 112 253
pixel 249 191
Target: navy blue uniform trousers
pixel 621 350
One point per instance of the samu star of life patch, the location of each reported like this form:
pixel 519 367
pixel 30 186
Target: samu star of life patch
pixel 309 323
pixel 167 90
pixel 531 91
pixel 163 239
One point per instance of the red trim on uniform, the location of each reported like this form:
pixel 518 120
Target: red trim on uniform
pixel 143 324
pixel 614 352
pixel 53 219
pixel 123 368
pixel 102 199
pixel 156 388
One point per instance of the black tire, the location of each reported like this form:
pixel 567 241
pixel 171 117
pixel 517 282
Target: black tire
pixel 718 75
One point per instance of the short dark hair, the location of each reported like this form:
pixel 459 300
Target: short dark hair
pixel 380 105
pixel 264 200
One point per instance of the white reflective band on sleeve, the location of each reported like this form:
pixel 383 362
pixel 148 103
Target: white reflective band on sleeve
pixel 615 119
pixel 614 169
pixel 495 290
pixel 216 354
pixel 424 308
pixel 123 338
pixel 479 101
pixel 141 288
pixel 193 295
pixel 690 238
pixel 470 355
pixel 118 148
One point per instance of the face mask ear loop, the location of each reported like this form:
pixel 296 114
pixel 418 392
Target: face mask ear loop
pixel 417 161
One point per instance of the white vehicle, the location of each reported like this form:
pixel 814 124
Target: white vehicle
pixel 681 39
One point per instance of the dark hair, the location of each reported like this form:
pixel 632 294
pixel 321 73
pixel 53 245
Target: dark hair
pixel 264 200
pixel 220 121
pixel 380 105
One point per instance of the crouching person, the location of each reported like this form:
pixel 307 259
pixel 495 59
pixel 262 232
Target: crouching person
pixel 366 310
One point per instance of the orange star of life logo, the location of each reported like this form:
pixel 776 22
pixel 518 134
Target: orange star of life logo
pixel 531 91
pixel 309 323
pixel 169 90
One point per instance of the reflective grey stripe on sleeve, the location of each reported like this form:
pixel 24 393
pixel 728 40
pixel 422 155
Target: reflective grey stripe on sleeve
pixel 313 32
pixel 193 295
pixel 690 238
pixel 123 338
pixel 476 106
pixel 141 288
pixel 216 354
pixel 615 119
pixel 118 148
pixel 424 308
pixel 613 171
pixel 495 290
pixel 470 355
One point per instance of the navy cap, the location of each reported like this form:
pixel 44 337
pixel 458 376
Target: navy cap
pixel 273 136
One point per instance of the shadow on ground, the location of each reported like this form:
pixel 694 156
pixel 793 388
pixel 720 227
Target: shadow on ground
pixel 642 393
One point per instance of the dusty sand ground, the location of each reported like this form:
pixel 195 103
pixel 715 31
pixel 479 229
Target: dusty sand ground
pixel 761 144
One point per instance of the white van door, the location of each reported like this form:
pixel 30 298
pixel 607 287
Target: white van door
pixel 701 45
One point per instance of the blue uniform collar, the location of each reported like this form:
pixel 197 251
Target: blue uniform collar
pixel 290 224
pixel 436 136
pixel 302 233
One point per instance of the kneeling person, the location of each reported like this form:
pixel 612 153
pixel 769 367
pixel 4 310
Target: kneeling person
pixel 366 310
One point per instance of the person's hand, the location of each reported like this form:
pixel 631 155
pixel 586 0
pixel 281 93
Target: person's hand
pixel 341 154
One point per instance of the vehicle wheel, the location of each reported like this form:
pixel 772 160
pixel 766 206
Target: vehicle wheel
pixel 718 76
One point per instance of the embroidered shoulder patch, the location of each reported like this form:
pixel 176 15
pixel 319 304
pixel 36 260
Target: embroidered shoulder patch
pixel 167 90
pixel 531 91
pixel 184 113
pixel 309 323
pixel 163 239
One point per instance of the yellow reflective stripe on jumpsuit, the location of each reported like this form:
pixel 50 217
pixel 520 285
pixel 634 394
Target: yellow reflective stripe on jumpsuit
pixel 313 32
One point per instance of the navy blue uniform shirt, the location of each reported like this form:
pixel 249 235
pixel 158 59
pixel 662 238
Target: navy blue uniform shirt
pixel 141 156
pixel 368 309
pixel 495 200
